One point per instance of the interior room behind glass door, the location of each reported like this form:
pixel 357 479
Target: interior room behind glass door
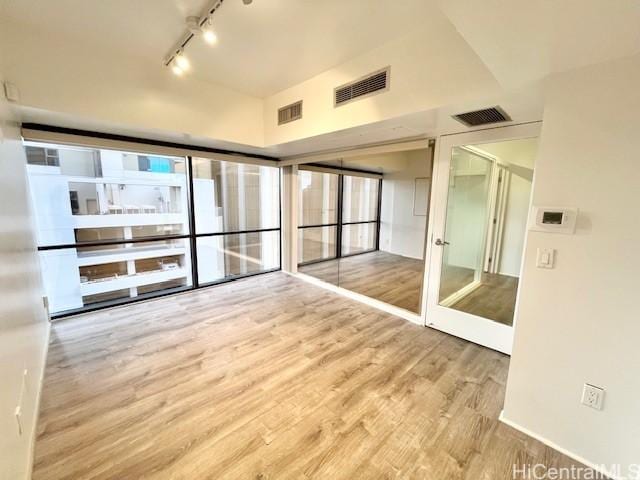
pixel 487 206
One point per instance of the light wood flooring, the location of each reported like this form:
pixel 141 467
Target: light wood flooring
pixel 397 280
pixel 393 279
pixel 271 378
pixel 495 299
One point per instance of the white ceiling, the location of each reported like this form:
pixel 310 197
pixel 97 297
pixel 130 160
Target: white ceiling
pixel 521 41
pixel 514 152
pixel 273 44
pixel 263 48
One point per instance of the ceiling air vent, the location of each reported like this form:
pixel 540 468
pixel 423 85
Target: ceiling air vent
pixel 376 82
pixel 290 113
pixel 483 117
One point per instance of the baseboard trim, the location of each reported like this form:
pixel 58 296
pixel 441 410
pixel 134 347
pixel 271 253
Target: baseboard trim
pixel 402 255
pixel 509 275
pixel 598 468
pixel 460 294
pixel 371 302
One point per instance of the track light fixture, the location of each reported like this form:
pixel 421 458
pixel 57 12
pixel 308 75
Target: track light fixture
pixel 196 27
pixel 176 70
pixel 181 61
pixel 209 36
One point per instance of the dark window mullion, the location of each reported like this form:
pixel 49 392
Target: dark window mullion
pixel 319 225
pixel 105 243
pixel 195 283
pixel 379 215
pixel 340 206
pixel 362 222
pixel 237 232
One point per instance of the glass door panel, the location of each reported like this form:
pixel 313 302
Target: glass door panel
pixel 465 225
pixel 483 182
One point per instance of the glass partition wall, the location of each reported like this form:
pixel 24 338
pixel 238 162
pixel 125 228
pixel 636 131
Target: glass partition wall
pixel 362 224
pixel 115 226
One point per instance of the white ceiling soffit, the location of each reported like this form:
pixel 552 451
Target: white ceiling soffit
pixel 522 106
pixel 262 48
pixel 35 115
pixel 521 41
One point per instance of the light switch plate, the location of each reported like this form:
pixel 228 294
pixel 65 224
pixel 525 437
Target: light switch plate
pixel 545 258
pixel 11 92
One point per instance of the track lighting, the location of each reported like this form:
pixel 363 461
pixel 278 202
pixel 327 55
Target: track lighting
pixel 197 27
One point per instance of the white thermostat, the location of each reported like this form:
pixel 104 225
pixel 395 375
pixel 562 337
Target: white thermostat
pixel 554 219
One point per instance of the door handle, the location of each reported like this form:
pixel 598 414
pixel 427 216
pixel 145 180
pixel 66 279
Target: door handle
pixel 441 243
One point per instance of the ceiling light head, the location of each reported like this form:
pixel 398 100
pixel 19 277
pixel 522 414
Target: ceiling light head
pixel 193 24
pixel 176 70
pixel 209 36
pixel 247 2
pixel 181 61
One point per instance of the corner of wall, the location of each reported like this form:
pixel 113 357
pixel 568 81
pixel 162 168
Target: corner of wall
pixel 24 326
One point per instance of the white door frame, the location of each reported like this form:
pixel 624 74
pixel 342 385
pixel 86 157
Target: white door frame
pixel 470 327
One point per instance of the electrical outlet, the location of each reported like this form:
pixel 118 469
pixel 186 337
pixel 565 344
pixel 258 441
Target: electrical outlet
pixel 592 396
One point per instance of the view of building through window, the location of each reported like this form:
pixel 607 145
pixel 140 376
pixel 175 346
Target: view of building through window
pixel 231 198
pixel 114 225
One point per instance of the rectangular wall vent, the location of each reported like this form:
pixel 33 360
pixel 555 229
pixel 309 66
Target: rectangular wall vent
pixel 483 117
pixel 290 113
pixel 376 82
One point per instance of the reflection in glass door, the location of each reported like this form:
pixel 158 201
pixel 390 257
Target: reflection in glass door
pixel 482 190
pixel 466 225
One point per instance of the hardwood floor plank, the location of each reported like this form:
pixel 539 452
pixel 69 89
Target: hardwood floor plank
pixel 271 378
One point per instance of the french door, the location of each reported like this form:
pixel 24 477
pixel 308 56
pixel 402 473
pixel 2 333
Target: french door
pixel 467 204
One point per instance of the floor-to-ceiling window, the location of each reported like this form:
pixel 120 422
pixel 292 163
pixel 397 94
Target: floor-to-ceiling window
pixel 237 219
pixel 113 226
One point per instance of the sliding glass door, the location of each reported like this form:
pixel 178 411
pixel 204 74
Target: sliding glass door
pixel 116 226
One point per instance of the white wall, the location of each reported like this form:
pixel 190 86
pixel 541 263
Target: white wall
pixel 66 76
pixel 424 76
pixel 580 322
pixel 515 225
pixel 402 232
pixel 24 329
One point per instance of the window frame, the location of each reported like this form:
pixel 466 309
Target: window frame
pixel 339 224
pixel 190 239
